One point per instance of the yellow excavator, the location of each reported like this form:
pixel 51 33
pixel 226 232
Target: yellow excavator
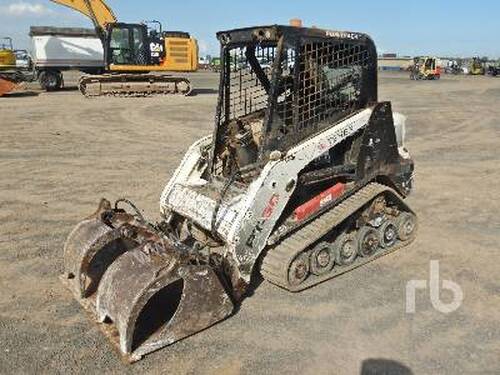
pixel 9 78
pixel 135 54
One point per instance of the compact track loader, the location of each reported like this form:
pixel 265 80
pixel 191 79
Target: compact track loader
pixel 425 68
pixel 476 67
pixel 303 179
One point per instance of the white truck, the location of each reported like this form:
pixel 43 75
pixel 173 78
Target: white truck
pixel 56 49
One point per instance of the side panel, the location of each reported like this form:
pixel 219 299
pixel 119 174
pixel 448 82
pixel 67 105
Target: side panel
pixel 181 54
pixel 247 221
pixel 64 51
pixel 268 196
pixel 379 153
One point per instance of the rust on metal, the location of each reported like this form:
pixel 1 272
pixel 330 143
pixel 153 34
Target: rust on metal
pixel 144 293
pixel 7 85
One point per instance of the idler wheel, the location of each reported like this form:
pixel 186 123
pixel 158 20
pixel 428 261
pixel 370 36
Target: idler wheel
pixel 407 226
pixel 299 269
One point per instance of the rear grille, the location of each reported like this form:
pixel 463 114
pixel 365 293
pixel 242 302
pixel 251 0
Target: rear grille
pixel 179 51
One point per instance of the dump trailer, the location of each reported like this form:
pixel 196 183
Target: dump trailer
pixel 57 49
pixel 304 178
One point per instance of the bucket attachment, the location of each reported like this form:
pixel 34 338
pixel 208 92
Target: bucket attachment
pixel 6 85
pixel 144 293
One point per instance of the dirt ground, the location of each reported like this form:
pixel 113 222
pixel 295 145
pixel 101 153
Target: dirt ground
pixel 60 153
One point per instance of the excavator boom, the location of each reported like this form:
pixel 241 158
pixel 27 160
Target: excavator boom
pixel 97 10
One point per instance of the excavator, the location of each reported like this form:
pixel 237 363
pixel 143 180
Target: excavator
pixel 10 78
pixel 135 55
pixel 303 179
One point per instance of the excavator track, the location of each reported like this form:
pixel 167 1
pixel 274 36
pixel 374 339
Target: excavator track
pixel 133 85
pixel 277 261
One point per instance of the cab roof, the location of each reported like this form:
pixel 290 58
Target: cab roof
pixel 273 32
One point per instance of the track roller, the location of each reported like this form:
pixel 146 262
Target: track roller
pixel 322 258
pixel 368 241
pixel 346 247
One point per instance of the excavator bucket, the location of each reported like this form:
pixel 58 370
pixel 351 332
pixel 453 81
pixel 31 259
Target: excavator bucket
pixel 7 85
pixel 144 293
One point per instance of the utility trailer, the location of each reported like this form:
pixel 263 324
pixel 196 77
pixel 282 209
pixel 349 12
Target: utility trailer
pixel 57 49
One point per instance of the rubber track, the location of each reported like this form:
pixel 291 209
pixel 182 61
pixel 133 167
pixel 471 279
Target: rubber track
pixel 87 80
pixel 276 262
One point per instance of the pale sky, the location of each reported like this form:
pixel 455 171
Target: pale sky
pixel 443 28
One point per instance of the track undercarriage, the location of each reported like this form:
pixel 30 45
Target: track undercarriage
pixel 133 85
pixel 367 225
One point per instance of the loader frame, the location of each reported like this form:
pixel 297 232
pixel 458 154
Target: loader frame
pixel 296 106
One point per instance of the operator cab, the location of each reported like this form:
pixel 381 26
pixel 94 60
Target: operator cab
pixel 282 84
pixel 128 44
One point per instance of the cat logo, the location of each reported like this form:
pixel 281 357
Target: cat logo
pixel 156 49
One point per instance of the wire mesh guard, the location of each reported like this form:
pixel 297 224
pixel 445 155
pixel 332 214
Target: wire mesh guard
pixel 329 82
pixel 321 86
pixel 247 94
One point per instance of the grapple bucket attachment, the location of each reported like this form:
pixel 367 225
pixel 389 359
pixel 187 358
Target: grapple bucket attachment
pixel 142 293
pixel 6 85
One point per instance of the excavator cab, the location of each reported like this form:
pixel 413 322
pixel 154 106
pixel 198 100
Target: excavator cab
pixel 128 44
pixel 7 55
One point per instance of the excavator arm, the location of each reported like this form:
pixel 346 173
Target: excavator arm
pixel 97 10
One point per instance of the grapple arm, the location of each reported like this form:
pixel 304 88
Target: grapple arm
pixel 144 292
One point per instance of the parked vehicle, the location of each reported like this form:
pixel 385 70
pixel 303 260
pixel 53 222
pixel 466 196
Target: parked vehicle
pixel 425 68
pixel 315 190
pixel 57 49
